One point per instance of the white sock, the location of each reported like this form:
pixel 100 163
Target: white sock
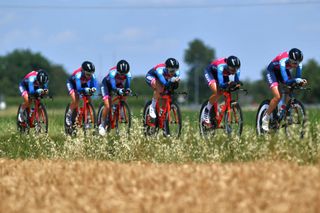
pixel 153 103
pixel 209 106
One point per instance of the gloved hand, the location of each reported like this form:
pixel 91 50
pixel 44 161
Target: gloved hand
pixel 174 79
pixel 93 90
pixel 128 91
pixel 39 91
pixel 87 90
pixel 46 91
pixel 232 85
pixel 120 91
pixel 298 80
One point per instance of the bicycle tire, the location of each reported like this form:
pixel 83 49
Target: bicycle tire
pixel 127 112
pixel 173 130
pixel 205 131
pixel 289 120
pixel 235 107
pixel 89 124
pixel 149 130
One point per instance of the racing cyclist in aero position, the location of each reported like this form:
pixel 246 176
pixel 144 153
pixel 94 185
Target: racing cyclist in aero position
pixel 114 81
pixel 34 83
pixel 82 81
pixel 162 77
pixel 217 76
pixel 278 71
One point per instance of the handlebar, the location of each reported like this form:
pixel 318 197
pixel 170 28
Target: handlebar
pixel 174 93
pixel 230 90
pixel 295 86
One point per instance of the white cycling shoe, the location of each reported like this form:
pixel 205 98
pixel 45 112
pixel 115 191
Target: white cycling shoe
pixel 265 122
pixel 152 112
pixel 102 130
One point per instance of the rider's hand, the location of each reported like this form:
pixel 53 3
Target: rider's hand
pixel 128 91
pixel 298 81
pixel 240 83
pixel 120 91
pixel 232 85
pixel 304 82
pixel 39 91
pixel 46 91
pixel 93 90
pixel 174 79
pixel 87 90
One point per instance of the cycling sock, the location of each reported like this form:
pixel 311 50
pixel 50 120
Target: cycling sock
pixel 209 106
pixel 154 102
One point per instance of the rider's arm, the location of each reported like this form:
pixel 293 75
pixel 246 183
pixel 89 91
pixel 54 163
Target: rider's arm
pixel 208 75
pixel 78 83
pixel 299 71
pixel 237 76
pixel 283 72
pixel 93 82
pixel 112 77
pixel 128 81
pixel 163 81
pixel 31 86
pixel 222 84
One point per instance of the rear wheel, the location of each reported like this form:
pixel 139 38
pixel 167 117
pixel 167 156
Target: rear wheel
pixel 173 121
pixel 233 120
pixel 123 119
pixel 295 120
pixel 23 126
pixel 207 131
pixel 149 125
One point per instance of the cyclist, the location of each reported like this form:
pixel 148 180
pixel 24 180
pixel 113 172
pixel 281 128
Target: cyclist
pixel 114 81
pixel 161 77
pixel 34 83
pixel 82 81
pixel 279 71
pixel 217 75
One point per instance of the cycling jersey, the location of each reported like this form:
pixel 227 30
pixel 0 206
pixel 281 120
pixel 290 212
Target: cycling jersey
pixel 30 84
pixel 113 81
pixel 218 72
pixel 279 70
pixel 161 73
pixel 78 81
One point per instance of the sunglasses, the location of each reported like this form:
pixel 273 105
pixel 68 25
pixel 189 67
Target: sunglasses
pixel 232 70
pixel 88 74
pixel 172 70
pixel 294 62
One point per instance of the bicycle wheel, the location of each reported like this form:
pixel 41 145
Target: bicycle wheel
pixel 206 130
pixel 70 130
pixel 150 127
pixel 123 118
pixel 261 112
pixel 233 120
pixel 295 120
pixel 41 124
pixel 173 122
pixel 99 118
pixel 89 123
pixel 23 127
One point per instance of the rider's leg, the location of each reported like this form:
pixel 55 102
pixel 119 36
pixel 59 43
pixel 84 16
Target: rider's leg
pixel 73 105
pixel 212 102
pixel 157 89
pixel 25 105
pixel 272 105
pixel 106 110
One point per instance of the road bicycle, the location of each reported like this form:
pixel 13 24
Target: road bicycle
pixel 229 115
pixel 35 117
pixel 291 116
pixel 119 116
pixel 83 117
pixel 168 116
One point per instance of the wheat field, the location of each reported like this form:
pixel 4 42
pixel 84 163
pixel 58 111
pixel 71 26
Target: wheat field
pixel 104 186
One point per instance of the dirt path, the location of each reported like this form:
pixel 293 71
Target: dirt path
pixel 101 186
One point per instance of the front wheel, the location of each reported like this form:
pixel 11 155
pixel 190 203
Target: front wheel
pixel 89 119
pixel 41 123
pixel 295 120
pixel 123 118
pixel 233 120
pixel 173 121
pixel 262 110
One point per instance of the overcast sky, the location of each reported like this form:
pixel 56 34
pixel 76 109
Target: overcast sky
pixel 145 33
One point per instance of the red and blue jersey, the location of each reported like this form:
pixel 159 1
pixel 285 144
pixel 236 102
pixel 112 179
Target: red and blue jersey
pixel 30 82
pixel 161 73
pixel 117 80
pixel 218 72
pixel 280 65
pixel 80 80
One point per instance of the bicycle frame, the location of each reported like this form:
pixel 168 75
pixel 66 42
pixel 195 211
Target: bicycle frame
pixel 112 117
pixel 82 111
pixel 163 109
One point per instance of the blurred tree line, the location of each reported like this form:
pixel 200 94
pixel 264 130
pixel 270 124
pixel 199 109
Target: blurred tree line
pixel 15 65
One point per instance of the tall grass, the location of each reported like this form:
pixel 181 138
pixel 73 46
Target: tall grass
pixel 189 148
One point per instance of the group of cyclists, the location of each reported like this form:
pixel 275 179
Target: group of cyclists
pixel 161 77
